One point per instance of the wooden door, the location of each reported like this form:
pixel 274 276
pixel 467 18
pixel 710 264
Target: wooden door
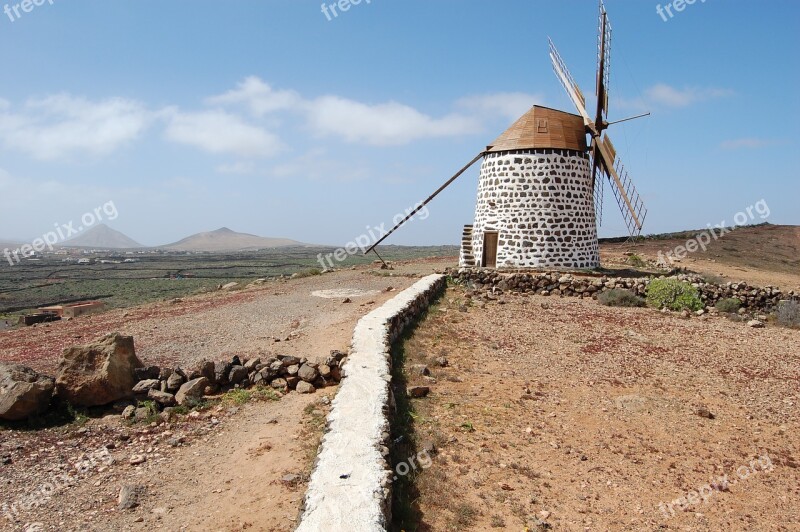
pixel 490 249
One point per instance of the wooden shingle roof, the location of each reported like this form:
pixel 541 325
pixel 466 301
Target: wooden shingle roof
pixel 541 128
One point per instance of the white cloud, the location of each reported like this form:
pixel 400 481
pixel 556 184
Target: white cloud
pixel 221 132
pixel 745 144
pixel 511 105
pixel 259 97
pixel 666 96
pixel 382 124
pixel 58 125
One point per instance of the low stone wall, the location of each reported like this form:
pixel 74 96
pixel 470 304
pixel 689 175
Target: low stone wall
pixel 351 486
pixel 563 284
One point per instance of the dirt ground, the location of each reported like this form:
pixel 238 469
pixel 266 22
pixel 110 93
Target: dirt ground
pixel 761 255
pixel 232 467
pixel 564 414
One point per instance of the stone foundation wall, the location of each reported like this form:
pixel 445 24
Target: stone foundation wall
pixel 561 284
pixel 542 205
pixel 351 486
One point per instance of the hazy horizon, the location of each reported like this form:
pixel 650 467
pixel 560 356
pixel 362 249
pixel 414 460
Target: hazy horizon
pixel 287 124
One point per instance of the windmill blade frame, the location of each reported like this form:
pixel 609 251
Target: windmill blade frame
pixel 568 82
pixel 603 67
pixel 630 203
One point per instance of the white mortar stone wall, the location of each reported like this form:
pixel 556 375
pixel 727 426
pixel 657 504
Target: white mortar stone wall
pixel 541 202
pixel 351 486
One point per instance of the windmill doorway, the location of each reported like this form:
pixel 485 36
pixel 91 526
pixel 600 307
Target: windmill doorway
pixel 489 249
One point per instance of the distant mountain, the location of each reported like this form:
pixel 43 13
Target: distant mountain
pixel 226 240
pixel 102 237
pixel 9 243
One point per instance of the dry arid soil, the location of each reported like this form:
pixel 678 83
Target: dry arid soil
pixel 230 467
pixel 562 414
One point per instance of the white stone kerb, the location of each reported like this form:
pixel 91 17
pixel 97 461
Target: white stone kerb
pixel 350 487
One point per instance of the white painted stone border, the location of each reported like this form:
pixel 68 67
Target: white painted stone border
pixel 351 486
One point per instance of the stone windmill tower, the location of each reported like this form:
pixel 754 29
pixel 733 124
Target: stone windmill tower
pixel 540 187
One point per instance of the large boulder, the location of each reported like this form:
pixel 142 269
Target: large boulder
pixel 99 373
pixel 23 392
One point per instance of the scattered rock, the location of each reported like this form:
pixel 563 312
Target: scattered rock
pixel 142 387
pixel 237 375
pixel 23 392
pixel 289 360
pixel 162 398
pixel 279 384
pixel 755 324
pixel 130 496
pixel 419 370
pixel 418 391
pixel 307 373
pixel 191 392
pixel 221 371
pixel 150 372
pixel 305 387
pixel 174 382
pixel 704 412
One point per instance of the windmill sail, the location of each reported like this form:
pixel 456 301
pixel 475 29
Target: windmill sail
pixel 603 65
pixel 631 205
pixel 574 92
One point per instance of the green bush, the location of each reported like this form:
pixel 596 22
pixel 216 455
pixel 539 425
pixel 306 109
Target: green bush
pixel 730 305
pixel 636 261
pixel 673 294
pixel 789 314
pixel 619 297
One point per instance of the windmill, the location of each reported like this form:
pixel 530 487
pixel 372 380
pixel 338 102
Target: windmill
pixel 603 155
pixel 540 188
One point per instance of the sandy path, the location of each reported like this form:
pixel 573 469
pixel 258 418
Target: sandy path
pixel 229 474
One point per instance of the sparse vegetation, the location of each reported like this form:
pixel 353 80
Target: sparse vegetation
pixel 730 305
pixel 710 278
pixel 307 273
pixel 465 515
pixel 241 396
pixel 789 314
pixel 498 522
pixel 673 294
pixel 636 261
pixel 619 297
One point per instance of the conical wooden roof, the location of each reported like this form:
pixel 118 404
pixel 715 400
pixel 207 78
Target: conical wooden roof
pixel 541 128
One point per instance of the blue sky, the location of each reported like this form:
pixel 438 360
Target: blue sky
pixel 266 117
